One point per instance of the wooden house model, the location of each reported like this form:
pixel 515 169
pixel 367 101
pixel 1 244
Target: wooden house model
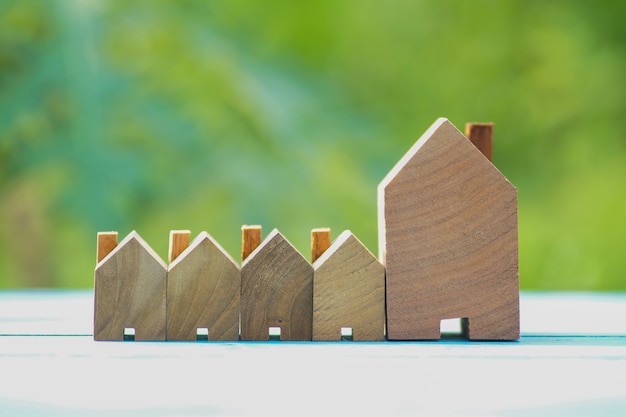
pixel 203 285
pixel 348 292
pixel 448 240
pixel 129 292
pixel 276 291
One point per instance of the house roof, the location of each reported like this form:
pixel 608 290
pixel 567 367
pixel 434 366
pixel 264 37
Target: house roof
pixel 442 160
pixel 132 238
pixel 202 239
pixel 346 238
pixel 273 240
pixel 441 130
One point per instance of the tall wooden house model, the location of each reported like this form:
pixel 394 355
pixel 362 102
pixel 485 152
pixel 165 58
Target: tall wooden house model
pixel 447 221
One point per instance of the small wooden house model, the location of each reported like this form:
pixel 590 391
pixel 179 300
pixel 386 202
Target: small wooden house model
pixel 448 240
pixel 203 285
pixel 348 292
pixel 276 291
pixel 129 292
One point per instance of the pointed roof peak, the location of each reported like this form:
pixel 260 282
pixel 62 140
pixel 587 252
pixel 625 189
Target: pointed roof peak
pixel 441 130
pixel 203 238
pixel 274 234
pixel 133 234
pixel 345 238
pixel 133 238
pixel 273 239
pixel 206 237
pixel 441 124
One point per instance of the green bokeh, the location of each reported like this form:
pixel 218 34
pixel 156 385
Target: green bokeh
pixel 206 115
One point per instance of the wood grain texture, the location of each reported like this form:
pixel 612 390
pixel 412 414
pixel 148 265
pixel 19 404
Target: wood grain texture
pixel 481 135
pixel 129 291
pixel 107 241
pixel 276 290
pixel 448 240
pixel 179 241
pixel 348 291
pixel 203 286
pixel 251 237
pixel 320 241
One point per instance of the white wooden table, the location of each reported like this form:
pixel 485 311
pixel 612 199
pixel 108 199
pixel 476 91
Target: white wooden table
pixel 570 361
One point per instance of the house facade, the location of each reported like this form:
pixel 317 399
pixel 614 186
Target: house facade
pixel 448 240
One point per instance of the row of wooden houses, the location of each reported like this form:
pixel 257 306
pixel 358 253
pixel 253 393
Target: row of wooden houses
pixel 205 294
pixel 448 248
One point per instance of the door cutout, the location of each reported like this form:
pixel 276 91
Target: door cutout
pixel 450 328
pixel 202 334
pixel 274 333
pixel 129 333
pixel 346 334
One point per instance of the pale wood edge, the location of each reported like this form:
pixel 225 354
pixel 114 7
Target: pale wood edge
pixel 133 235
pixel 274 234
pixel 195 243
pixel 413 150
pixel 338 243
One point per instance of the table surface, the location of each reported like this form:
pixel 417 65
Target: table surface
pixel 570 361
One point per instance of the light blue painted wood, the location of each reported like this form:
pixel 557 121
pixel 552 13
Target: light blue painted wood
pixel 59 312
pixel 565 373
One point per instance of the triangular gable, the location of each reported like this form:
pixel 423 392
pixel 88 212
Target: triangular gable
pixel 132 238
pixel 345 239
pixel 202 239
pixel 430 159
pixel 442 129
pixel 273 240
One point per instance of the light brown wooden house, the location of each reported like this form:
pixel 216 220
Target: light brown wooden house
pixel 348 292
pixel 276 291
pixel 129 292
pixel 448 240
pixel 203 286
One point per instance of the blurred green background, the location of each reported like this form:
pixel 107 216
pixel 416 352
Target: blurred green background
pixel 206 115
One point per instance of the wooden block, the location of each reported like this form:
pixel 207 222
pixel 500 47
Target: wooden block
pixel 250 239
pixel 129 292
pixel 107 241
pixel 481 135
pixel 179 241
pixel 448 240
pixel 276 291
pixel 203 285
pixel 320 241
pixel 348 291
